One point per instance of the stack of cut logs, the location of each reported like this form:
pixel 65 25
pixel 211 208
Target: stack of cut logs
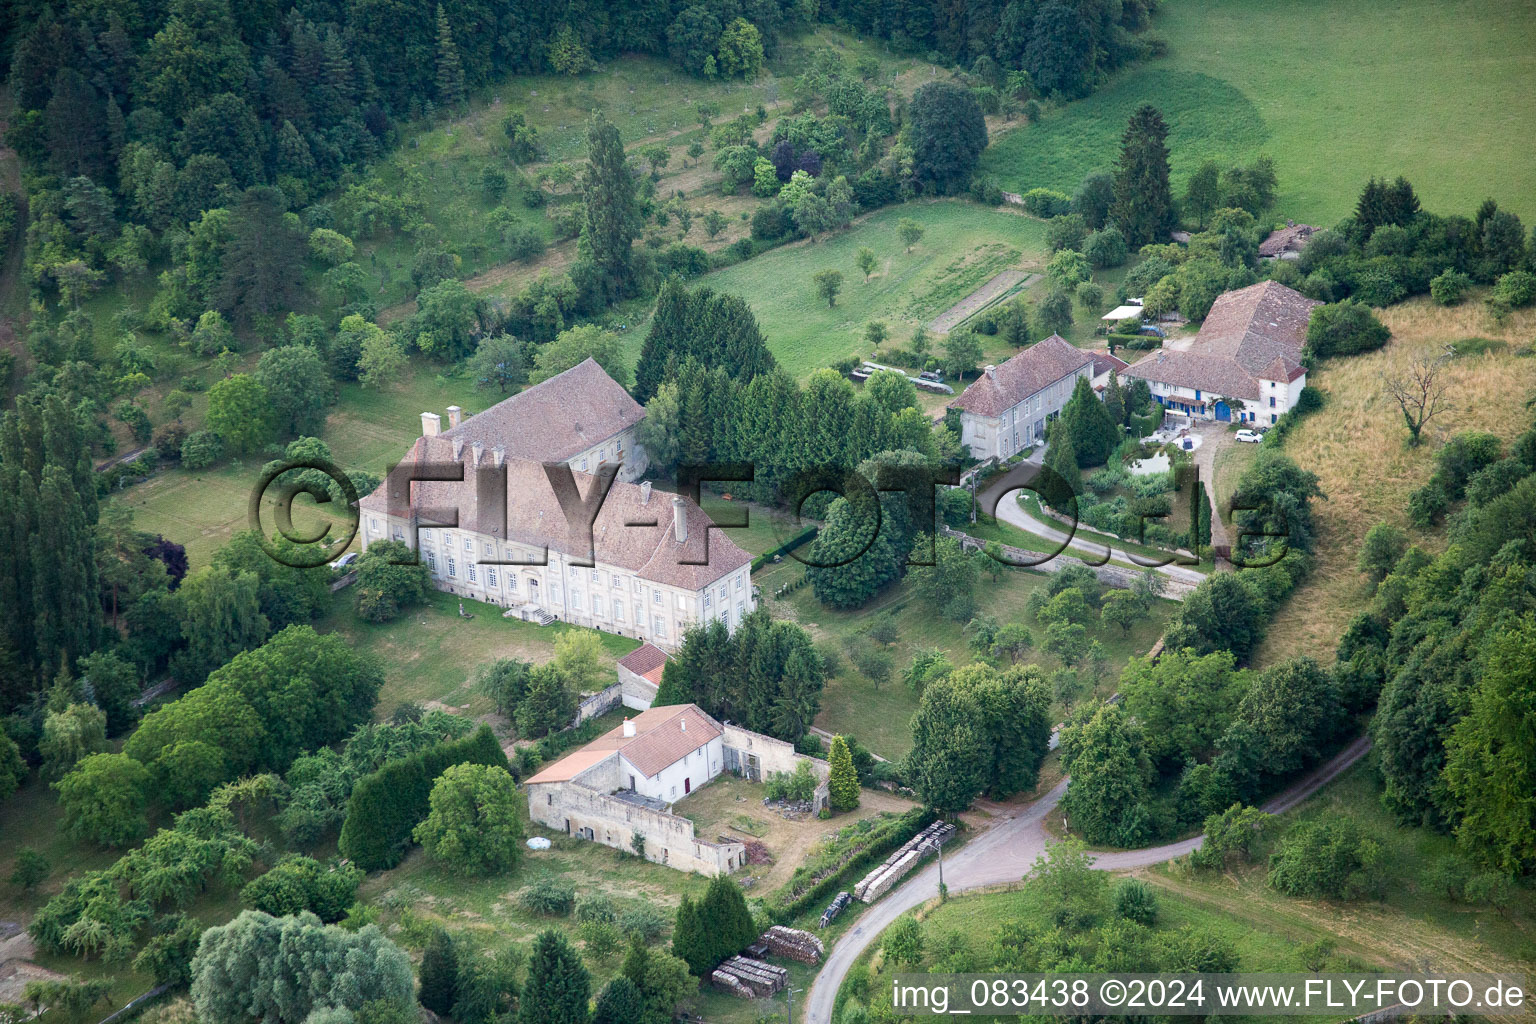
pixel 749 979
pixel 793 944
pixel 879 881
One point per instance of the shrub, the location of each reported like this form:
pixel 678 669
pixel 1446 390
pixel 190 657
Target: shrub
pixel 549 897
pixel 387 805
pixel 1135 901
pixel 297 883
pixel 1450 287
pixel 596 907
pixel 1046 203
pixel 1344 329
pixel 201 449
pixel 1105 248
pixel 643 921
pixel 1327 856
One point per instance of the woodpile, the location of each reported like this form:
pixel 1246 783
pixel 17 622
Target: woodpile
pixel 880 881
pixel 793 944
pixel 749 979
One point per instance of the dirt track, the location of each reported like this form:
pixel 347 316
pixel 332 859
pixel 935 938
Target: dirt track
pixel 978 300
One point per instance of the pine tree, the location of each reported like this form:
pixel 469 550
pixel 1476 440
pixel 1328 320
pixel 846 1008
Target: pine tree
pixel 450 69
pixel 620 1002
pixel 1143 206
pixel 725 921
pixel 1114 401
pixel 1092 428
pixel 612 214
pixel 439 973
pixel 558 985
pixel 690 943
pixel 844 783
pixel 1060 490
pixel 852 558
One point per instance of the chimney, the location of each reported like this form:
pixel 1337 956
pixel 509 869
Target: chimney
pixel 431 424
pixel 458 448
pixel 477 452
pixel 454 415
pixel 991 371
pixel 645 492
pixel 499 453
pixel 679 520
pixel 629 728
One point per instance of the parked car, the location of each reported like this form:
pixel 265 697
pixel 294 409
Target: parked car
pixel 345 560
pixel 936 376
pixel 1249 436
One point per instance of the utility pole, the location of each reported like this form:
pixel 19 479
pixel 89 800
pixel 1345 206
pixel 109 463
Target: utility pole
pixel 789 1001
pixel 973 498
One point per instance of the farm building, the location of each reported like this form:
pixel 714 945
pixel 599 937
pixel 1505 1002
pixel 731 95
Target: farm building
pixel 626 781
pixel 1287 242
pixel 1244 365
pixel 1005 410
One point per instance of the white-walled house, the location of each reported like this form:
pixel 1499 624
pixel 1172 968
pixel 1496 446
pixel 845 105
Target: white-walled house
pixel 1005 410
pixel 1244 365
pixel 653 567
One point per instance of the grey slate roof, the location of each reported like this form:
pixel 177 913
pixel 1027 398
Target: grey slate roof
pixel 1252 334
pixel 556 419
pixel 1033 369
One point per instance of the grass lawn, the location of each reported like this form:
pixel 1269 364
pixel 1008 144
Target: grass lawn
pixel 1356 446
pixel 1410 924
pixel 963 246
pixel 431 655
pixel 879 715
pixel 1437 90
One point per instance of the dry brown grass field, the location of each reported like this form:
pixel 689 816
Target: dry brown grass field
pixel 1357 446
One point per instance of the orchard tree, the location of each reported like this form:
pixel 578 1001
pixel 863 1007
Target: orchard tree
pixel 103 798
pixel 910 232
pixel 498 365
pixel 866 261
pixel 828 283
pixel 473 827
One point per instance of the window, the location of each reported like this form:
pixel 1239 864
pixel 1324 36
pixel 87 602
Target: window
pixel 431 561
pixel 618 446
pixel 469 545
pixel 488 549
pixel 618 611
pixel 512 584
pixel 738 583
pixel 596 576
pixel 597 605
pixel 656 597
pixel 490 576
pixel 617 580
pixel 400 534
pixel 583 465
pixel 659 627
pixel 573 572
pixel 472 576
pixel 453 568
pixel 1271 401
pixel 722 591
pixel 706 600
pixel 373 524
pixel 1273 417
pixel 575 599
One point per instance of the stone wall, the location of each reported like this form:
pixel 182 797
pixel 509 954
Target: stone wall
pixel 774 755
pixel 669 839
pixel 638 691
pixel 599 703
pixel 1116 576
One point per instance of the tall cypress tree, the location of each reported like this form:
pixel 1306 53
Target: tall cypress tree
pixel 690 943
pixel 726 921
pixel 558 984
pixel 612 212
pixel 844 782
pixel 439 973
pixel 1143 206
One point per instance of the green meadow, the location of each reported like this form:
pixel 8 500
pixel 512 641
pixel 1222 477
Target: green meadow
pixel 963 246
pixel 1438 90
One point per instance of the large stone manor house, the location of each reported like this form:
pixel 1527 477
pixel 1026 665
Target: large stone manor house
pixel 654 567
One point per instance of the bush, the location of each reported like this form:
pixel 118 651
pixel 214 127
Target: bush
pixel 1105 248
pixel 387 805
pixel 297 883
pixel 596 907
pixel 643 921
pixel 1344 329
pixel 1450 287
pixel 201 449
pixel 1135 901
pixel 548 897
pixel 1046 203
pixel 1327 856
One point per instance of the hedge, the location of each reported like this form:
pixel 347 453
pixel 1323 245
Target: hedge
pixel 1309 401
pixel 388 804
pixel 796 541
pixel 895 834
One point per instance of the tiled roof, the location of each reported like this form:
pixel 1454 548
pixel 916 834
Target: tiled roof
pixel 633 529
pixel 1103 362
pixel 558 418
pixel 663 736
pixel 1291 238
pixel 647 661
pixel 1033 369
pixel 1252 334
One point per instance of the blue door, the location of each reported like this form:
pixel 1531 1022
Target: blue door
pixel 1223 413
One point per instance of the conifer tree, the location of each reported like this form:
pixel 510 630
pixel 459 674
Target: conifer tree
pixel 439 973
pixel 852 558
pixel 1094 431
pixel 725 920
pixel 450 69
pixel 558 985
pixel 844 783
pixel 690 943
pixel 1143 206
pixel 620 1002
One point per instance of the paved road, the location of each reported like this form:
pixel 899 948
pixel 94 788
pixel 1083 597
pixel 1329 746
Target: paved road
pixel 1006 852
pixel 1004 506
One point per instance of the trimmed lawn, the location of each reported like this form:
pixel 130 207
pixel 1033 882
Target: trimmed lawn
pixel 879 715
pixel 963 246
pixel 430 654
pixel 1437 90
